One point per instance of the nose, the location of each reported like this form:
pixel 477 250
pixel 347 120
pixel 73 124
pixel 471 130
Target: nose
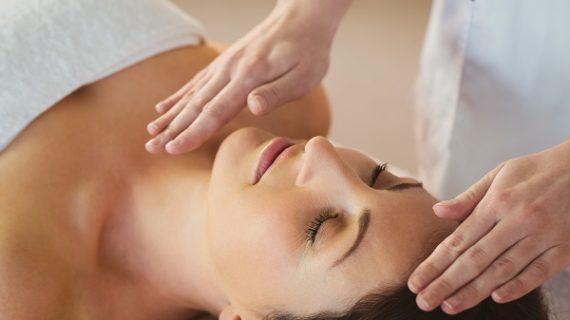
pixel 323 165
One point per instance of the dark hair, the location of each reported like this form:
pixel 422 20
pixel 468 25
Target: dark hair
pixel 399 304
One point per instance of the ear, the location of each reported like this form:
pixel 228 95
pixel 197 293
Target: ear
pixel 229 313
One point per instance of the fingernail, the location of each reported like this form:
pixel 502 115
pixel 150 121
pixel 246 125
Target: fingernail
pixel 450 305
pixel 257 104
pixel 443 203
pixel 152 128
pixel 423 304
pixel 442 210
pixel 437 208
pixel 172 145
pixel 150 146
pixel 413 285
pixel 153 142
pixel 498 296
pixel 159 106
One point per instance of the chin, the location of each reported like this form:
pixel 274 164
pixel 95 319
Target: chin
pixel 236 159
pixel 241 144
pixel 249 137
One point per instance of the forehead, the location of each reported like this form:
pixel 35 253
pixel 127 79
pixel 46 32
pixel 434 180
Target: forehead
pixel 402 230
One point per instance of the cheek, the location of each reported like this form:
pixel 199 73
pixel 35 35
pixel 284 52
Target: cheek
pixel 230 174
pixel 252 246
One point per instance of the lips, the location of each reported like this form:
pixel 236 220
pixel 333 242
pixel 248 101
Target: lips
pixel 269 154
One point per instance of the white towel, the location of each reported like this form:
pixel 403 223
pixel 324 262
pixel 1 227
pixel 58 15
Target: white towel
pixel 49 48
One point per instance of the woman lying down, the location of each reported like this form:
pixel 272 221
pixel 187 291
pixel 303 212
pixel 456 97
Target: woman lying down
pixel 268 220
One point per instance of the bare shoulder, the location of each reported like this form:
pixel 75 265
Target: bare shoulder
pixel 119 107
pixel 156 78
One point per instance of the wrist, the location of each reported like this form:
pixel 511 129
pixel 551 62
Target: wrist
pixel 323 16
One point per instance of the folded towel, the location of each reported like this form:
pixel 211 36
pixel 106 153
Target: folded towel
pixel 49 48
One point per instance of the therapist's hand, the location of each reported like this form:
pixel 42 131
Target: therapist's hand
pixel 280 60
pixel 515 235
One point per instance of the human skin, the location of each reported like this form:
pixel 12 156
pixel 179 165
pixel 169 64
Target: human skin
pixel 256 232
pixel 281 59
pixel 286 55
pixel 514 238
pixel 114 232
pixel 78 172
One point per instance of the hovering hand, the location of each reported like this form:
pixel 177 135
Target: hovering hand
pixel 280 60
pixel 515 235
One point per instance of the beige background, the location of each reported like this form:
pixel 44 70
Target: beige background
pixel 371 78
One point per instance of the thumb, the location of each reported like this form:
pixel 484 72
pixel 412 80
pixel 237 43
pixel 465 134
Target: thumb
pixel 269 96
pixel 460 207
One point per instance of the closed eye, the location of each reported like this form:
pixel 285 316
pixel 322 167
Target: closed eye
pixel 396 187
pixel 381 167
pixel 404 186
pixel 313 228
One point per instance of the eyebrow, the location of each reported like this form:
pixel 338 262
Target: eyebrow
pixel 364 220
pixel 363 223
pixel 404 186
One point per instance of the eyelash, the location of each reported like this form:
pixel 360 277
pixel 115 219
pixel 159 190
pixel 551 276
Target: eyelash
pixel 381 167
pixel 315 225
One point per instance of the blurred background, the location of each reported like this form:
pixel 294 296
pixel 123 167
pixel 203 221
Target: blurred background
pixel 373 68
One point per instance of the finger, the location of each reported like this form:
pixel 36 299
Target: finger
pixel 156 144
pixel 162 128
pixel 162 122
pixel 503 269
pixel 194 107
pixel 166 104
pixel 171 126
pixel 548 264
pixel 215 114
pixel 469 265
pixel 267 97
pixel 461 206
pixel 467 234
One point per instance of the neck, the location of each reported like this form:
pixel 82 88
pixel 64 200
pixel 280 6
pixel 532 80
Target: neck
pixel 155 241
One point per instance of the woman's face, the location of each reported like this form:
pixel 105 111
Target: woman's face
pixel 312 234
